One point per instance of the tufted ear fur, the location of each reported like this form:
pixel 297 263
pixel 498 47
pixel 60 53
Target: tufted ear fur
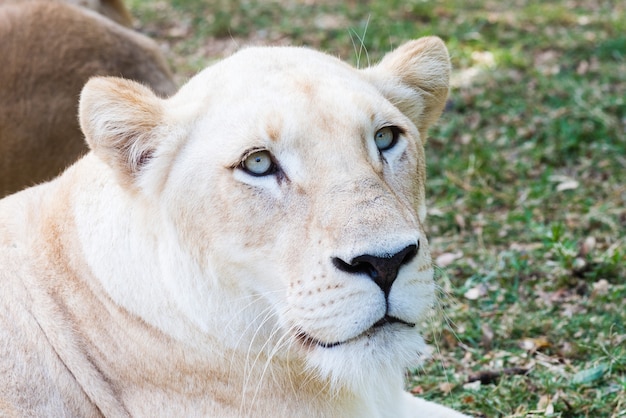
pixel 415 77
pixel 119 119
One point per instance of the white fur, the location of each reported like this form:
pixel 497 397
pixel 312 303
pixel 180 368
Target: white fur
pixel 217 289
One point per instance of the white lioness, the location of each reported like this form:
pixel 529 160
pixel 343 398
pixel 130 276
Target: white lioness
pixel 251 247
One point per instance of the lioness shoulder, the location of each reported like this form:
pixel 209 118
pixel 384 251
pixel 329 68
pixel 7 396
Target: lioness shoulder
pixel 49 50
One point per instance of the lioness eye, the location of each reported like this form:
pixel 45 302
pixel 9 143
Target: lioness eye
pixel 259 163
pixel 386 137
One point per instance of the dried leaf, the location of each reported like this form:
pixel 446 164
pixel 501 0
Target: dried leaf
pixel 435 212
pixel 579 265
pixel 446 259
pixel 448 339
pixel 526 247
pixel 484 59
pixel 460 221
pixel 446 387
pixel 600 288
pixel 475 385
pixel 543 403
pixel 417 390
pixel 567 349
pixel 587 246
pixel 476 292
pixel 567 185
pixel 534 344
pixel 582 68
pixel 487 335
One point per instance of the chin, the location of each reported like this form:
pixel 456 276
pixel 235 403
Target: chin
pixel 379 355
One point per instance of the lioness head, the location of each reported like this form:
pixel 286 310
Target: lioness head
pixel 291 185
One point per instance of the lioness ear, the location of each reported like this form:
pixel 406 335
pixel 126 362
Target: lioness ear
pixel 415 77
pixel 119 119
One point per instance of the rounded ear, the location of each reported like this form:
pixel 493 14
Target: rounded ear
pixel 119 119
pixel 415 77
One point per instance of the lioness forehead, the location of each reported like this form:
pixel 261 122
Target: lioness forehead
pixel 274 93
pixel 285 61
pixel 262 76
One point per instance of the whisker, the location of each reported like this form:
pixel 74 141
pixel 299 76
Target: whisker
pixel 249 368
pixel 266 313
pixel 270 357
pixel 256 297
pixel 439 317
pixel 247 377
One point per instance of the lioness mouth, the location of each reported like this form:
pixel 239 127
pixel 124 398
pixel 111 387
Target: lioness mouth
pixel 309 341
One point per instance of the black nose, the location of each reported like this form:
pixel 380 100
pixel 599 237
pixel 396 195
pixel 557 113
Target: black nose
pixel 383 270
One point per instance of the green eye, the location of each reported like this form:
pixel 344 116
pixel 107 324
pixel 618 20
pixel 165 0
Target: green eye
pixel 259 163
pixel 386 137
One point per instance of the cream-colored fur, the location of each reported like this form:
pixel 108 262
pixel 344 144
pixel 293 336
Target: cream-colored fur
pixel 49 50
pixel 158 276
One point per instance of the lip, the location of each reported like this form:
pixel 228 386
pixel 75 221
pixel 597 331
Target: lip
pixel 311 342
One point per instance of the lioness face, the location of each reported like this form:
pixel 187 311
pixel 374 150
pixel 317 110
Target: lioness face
pixel 297 182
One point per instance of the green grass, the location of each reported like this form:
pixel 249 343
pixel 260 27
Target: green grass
pixel 527 180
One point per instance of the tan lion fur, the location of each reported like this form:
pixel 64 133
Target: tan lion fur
pixel 160 276
pixel 49 50
pixel 113 9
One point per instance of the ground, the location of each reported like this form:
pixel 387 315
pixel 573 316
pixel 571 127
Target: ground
pixel 527 181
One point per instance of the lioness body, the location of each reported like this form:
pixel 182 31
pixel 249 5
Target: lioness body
pixel 252 246
pixel 49 50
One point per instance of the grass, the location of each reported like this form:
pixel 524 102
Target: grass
pixel 527 181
